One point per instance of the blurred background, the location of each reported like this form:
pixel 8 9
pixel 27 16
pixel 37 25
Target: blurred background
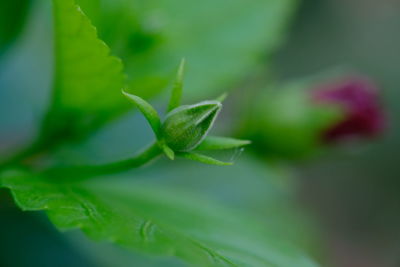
pixel 354 191
pixel 342 207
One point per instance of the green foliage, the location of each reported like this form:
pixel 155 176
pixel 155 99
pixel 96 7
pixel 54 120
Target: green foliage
pixel 153 220
pixel 87 80
pixel 12 19
pixel 222 39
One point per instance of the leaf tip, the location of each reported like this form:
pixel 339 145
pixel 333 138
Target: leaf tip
pixel 181 68
pixel 126 94
pixel 222 97
pixel 246 142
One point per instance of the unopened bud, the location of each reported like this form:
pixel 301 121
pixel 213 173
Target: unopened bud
pixel 299 119
pixel 186 127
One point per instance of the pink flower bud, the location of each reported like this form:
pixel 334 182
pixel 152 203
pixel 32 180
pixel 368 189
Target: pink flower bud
pixel 363 114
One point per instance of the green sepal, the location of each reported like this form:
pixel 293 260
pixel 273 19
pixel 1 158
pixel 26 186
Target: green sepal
pixel 168 151
pixel 203 159
pixel 221 143
pixel 222 97
pixel 148 111
pixel 176 95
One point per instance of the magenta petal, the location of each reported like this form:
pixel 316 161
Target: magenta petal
pixel 363 114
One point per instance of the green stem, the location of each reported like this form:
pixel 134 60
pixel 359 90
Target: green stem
pixel 83 171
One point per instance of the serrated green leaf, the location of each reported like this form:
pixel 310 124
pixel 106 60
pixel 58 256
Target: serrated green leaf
pixel 219 143
pixel 154 220
pixel 148 111
pixel 87 79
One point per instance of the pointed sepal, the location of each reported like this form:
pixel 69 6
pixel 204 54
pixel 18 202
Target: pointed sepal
pixel 176 95
pixel 168 151
pixel 221 143
pixel 203 159
pixel 148 111
pixel 222 97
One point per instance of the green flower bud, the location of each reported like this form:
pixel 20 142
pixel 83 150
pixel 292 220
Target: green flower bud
pixel 284 124
pixel 186 127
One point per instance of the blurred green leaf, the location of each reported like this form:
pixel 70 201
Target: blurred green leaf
pixel 12 19
pixel 154 220
pixel 88 81
pixel 221 39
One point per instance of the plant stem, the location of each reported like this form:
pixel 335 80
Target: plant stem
pixel 84 171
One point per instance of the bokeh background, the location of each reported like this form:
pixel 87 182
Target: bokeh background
pixel 354 190
pixel 343 207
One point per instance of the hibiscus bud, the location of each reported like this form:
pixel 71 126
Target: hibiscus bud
pixel 296 120
pixel 186 126
pixel 362 114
